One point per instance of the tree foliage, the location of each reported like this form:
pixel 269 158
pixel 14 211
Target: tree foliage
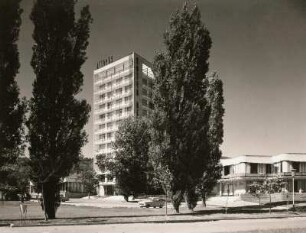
pixel 267 186
pixel 57 118
pixel 11 108
pixel 181 115
pixel 21 177
pixel 130 164
pixel 213 169
pixel 88 175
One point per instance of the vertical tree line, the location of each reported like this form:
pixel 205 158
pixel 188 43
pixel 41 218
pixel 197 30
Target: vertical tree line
pixel 12 109
pixel 185 130
pixel 57 118
pixel 181 115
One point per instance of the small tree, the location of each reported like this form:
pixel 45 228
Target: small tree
pixel 22 176
pixel 268 186
pixel 130 164
pixel 209 181
pixel 88 176
pixel 256 190
pixel 273 185
pixel 90 181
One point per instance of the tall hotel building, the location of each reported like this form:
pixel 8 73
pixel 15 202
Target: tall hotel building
pixel 121 89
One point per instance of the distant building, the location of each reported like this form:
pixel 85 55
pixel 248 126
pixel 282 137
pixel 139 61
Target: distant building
pixel 239 172
pixel 70 186
pixel 122 88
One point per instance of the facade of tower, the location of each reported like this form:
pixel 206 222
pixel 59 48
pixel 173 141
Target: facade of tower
pixel 122 88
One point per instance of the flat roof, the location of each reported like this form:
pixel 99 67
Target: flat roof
pixel 266 159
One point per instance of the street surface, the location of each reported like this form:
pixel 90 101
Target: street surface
pixel 285 225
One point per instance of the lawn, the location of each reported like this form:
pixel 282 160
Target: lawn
pixel 70 214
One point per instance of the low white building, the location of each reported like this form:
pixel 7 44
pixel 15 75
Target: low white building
pixel 239 172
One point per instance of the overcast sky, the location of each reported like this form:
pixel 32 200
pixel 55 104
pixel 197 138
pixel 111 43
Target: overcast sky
pixel 259 51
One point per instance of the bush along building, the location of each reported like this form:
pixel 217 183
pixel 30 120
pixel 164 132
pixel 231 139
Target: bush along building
pixel 122 88
pixel 241 171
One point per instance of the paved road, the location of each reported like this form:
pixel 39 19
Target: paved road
pixel 296 225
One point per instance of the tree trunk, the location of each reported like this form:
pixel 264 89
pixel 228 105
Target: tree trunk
pixel 204 199
pixel 191 198
pixel 176 198
pixel 270 203
pixel 126 198
pixel 50 200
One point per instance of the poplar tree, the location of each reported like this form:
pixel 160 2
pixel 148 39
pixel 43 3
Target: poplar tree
pixel 181 115
pixel 57 119
pixel 12 109
pixel 213 168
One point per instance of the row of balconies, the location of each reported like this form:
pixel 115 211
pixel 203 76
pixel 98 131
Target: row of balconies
pixel 113 97
pixel 114 107
pixel 115 86
pixel 99 78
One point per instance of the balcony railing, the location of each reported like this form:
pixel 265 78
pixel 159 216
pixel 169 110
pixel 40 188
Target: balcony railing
pixel 263 175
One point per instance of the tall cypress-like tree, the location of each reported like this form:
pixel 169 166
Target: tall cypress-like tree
pixel 11 108
pixel 57 118
pixel 213 169
pixel 181 115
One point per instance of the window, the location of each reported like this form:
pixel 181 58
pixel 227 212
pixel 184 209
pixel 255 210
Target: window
pixel 128 98
pixel 268 168
pixel 109 145
pixel 119 91
pixel 109 105
pixel 102 126
pixel 109 125
pixel 109 135
pixel 101 136
pixel 109 94
pixel 118 81
pixel 109 84
pixel 127 88
pixel 254 168
pixel 102 116
pixel 128 109
pixel 102 87
pixel 109 115
pixel 261 168
pixel 119 101
pixel 119 112
pixel 226 170
pixel 101 106
pixel 102 146
pixel 296 166
pixel 102 97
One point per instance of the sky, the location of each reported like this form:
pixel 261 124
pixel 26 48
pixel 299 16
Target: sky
pixel 258 50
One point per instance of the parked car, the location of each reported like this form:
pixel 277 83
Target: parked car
pixel 152 202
